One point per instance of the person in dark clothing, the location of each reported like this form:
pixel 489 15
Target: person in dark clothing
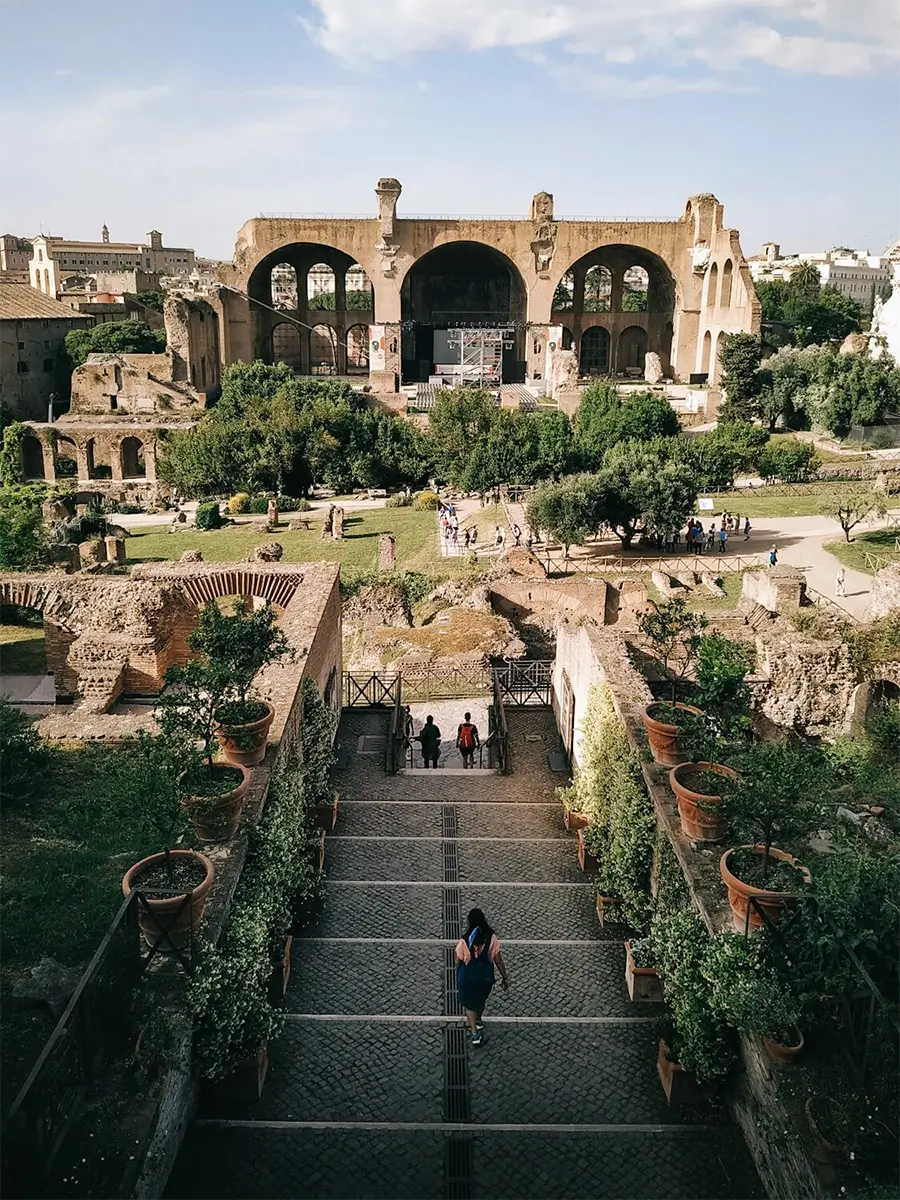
pixel 477 954
pixel 467 741
pixel 430 739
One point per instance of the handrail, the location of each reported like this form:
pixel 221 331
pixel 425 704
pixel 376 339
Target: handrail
pixel 500 729
pixel 397 734
pixel 829 605
pixel 699 564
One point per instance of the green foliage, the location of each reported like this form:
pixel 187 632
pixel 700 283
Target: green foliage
pixel 24 756
pixel 675 633
pixel 113 337
pixel 642 486
pixel 701 1041
pixel 154 300
pixel 723 693
pixel 789 461
pixel 23 538
pixel 568 510
pixel 238 503
pixel 414 585
pixel 854 505
pixel 605 417
pixel 401 500
pixel 427 501
pixel 240 644
pixel 740 357
pixel 634 301
pixel 209 516
pixel 800 312
pixel 745 990
pixel 11 453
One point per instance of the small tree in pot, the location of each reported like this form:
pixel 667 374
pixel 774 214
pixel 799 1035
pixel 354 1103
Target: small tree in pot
pixel 746 991
pixel 722 691
pixel 675 633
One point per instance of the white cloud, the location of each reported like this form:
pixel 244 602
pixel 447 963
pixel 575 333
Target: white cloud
pixel 792 35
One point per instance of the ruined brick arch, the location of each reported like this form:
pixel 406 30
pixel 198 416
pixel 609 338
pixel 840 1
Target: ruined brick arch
pixel 31 593
pixel 277 589
pixel 32 453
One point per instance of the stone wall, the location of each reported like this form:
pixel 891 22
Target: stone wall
pixel 886 591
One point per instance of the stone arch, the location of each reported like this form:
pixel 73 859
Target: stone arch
pixel 635 289
pixel 867 696
pixel 64 451
pixel 131 456
pixel 623 259
pixel 323 350
pixel 358 350
pixel 593 355
pixel 564 294
pixel 598 283
pixel 277 588
pixel 632 349
pixel 287 345
pixel 715 365
pixel 283 282
pixel 712 284
pixel 32 452
pixel 726 284
pixel 706 352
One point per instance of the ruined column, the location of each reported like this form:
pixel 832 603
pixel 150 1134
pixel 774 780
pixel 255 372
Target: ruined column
pixel 387 552
pixel 272 514
pixel 115 460
pixel 337 524
pixel 328 522
pixel 150 460
pixel 48 456
pixel 83 461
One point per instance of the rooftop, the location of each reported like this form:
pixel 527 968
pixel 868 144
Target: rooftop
pixel 21 302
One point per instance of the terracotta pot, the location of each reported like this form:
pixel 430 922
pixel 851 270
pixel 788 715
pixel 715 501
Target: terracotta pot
pixel 243 1085
pixel 245 745
pixel 739 892
pixel 174 916
pixel 608 910
pixel 574 821
pixel 697 822
pixel 643 983
pixel 325 815
pixel 664 737
pixel 586 860
pixel 281 973
pixel 679 1085
pixel 784 1055
pixel 215 818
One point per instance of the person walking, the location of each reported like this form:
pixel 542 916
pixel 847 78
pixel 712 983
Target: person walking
pixel 711 536
pixel 467 741
pixel 430 740
pixel 699 538
pixel 723 539
pixel 773 557
pixel 477 954
pixel 473 536
pixel 747 528
pixel 839 582
pixel 465 539
pixel 517 535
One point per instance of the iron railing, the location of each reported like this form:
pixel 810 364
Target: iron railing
pixel 429 682
pixel 523 683
pixel 705 564
pixel 397 738
pixel 370 691
pixel 499 731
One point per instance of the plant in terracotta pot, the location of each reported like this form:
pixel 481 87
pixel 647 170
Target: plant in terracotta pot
pixel 722 690
pixel 641 976
pixel 746 991
pixel 697 787
pixel 240 645
pixel 770 798
pixel 179 879
pixel 674 633
pixel 212 792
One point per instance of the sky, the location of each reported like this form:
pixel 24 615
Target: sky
pixel 192 116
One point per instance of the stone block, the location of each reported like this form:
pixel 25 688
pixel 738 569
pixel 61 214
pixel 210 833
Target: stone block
pixel 653 371
pixel 92 552
pixel 387 552
pixel 779 589
pixel 337 524
pixel 115 549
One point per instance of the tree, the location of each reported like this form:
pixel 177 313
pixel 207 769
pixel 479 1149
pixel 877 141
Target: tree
pixel 460 419
pixel 802 313
pixel 675 634
pixel 640 485
pixel 806 280
pixel 644 415
pixel 23 536
pixel 113 337
pixel 568 510
pixel 789 461
pixel 11 453
pixel 604 418
pixel 853 506
pixel 740 357
pixel 154 300
pixel 723 692
pixel 634 301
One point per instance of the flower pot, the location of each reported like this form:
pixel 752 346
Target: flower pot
pixel 771 903
pixel 281 973
pixel 215 818
pixel 643 983
pixel 679 1085
pixel 586 860
pixel 608 909
pixel 697 822
pixel 663 737
pixel 174 918
pixel 243 1085
pixel 245 745
pixel 828 1157
pixel 325 815
pixel 783 1054
pixel 574 821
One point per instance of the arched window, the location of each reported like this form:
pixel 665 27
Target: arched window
pixel 712 283
pixel 707 351
pixel 632 350
pixel 564 296
pixel 284 287
pixel 132 454
pixel 323 350
pixel 597 289
pixel 360 297
pixel 715 365
pixel 594 356
pixel 635 290
pixel 320 287
pixel 47 282
pixel 32 458
pixel 725 301
pixel 287 345
pixel 66 458
pixel 358 350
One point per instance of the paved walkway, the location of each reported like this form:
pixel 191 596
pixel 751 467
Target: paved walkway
pixel 373 1088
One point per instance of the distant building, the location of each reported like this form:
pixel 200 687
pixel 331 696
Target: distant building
pixel 854 273
pixel 32 330
pixel 58 266
pixel 15 255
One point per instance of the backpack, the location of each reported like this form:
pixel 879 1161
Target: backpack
pixel 478 972
pixel 467 737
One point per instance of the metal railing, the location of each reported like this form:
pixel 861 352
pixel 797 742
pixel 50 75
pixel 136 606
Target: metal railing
pixel 830 606
pixel 499 731
pixel 397 739
pixel 698 564
pixel 369 216
pixel 370 691
pixel 523 683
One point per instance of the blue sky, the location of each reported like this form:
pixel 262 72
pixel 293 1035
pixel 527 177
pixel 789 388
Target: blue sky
pixel 192 116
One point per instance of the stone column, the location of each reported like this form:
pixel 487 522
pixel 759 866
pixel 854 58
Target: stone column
pixel 340 320
pixel 83 461
pixel 115 460
pixel 150 460
pixel 387 552
pixel 337 524
pixel 48 455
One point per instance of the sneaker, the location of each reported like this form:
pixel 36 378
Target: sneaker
pixel 477 1037
pixel 479 1025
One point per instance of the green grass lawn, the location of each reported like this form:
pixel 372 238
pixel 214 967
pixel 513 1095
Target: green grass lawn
pixel 881 542
pixel 22 650
pixel 415 531
pixel 810 502
pixel 826 456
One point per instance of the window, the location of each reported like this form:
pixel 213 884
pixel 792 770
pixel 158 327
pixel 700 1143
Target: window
pixel 22 368
pixel 21 345
pixel 48 364
pixel 113 403
pixel 40 255
pixel 46 342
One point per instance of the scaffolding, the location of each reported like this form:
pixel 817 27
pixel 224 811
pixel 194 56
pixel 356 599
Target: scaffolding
pixel 480 356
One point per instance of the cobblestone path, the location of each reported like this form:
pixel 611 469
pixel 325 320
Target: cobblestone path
pixel 373 1089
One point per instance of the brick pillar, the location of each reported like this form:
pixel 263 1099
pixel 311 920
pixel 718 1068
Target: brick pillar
pixel 115 460
pixel 150 460
pixel 618 284
pixel 83 461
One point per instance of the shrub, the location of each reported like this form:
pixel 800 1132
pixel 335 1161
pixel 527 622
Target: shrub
pixel 25 757
pixel 23 537
pixel 209 516
pixel 293 504
pixel 401 500
pixel 427 500
pixel 258 505
pixel 722 667
pixel 238 503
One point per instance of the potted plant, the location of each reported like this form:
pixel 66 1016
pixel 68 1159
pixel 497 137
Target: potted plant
pixel 722 691
pixel 745 989
pixel 697 791
pixel 641 977
pixel 212 792
pixel 675 633
pixel 180 879
pixel 770 798
pixel 590 846
pixel 240 645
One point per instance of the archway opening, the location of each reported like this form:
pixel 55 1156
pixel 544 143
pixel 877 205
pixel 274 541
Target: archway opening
pixel 594 356
pixel 715 366
pixel 707 351
pixel 564 295
pixel 358 291
pixel 323 350
pixel 32 458
pixel 284 287
pixel 632 351
pixel 567 340
pixel 358 350
pixel 320 288
pixel 597 289
pixel 463 311
pixel 712 284
pixel 132 452
pixel 727 275
pixel 66 458
pixel 287 345
pixel 635 289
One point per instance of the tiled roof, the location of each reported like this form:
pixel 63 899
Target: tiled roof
pixel 21 302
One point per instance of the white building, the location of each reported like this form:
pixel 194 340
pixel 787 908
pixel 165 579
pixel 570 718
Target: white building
pixel 854 273
pixel 54 260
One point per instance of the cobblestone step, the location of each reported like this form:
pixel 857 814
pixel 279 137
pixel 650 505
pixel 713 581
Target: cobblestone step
pixel 363 819
pixel 235 1162
pixel 537 913
pixel 399 978
pixel 421 859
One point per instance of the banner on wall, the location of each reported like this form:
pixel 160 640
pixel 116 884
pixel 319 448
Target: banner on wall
pixel 376 348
